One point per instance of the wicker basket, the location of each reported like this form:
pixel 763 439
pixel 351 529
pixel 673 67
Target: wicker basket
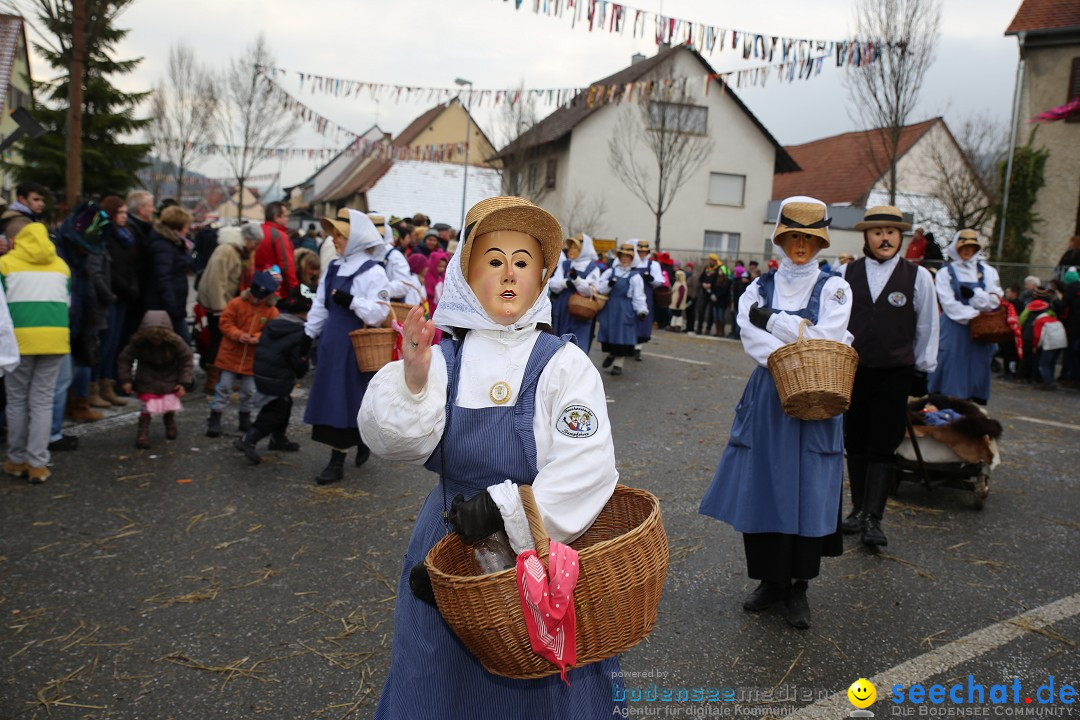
pixel 814 377
pixel 401 310
pixel 374 346
pixel 623 556
pixel 585 308
pixel 991 327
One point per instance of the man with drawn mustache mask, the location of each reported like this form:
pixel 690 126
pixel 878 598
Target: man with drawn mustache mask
pixel 894 320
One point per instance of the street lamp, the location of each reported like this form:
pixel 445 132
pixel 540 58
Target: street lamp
pixel 460 82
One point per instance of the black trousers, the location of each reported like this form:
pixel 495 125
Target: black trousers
pixel 875 423
pixel 273 417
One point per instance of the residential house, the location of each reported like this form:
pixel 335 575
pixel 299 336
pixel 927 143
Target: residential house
pixel 562 162
pixel 15 88
pixel 934 182
pixel 252 207
pixel 337 171
pixel 1048 33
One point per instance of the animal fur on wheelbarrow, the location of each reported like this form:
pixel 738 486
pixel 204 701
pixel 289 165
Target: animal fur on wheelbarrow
pixel 974 424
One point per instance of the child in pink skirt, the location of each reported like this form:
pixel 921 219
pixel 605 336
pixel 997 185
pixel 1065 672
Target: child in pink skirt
pixel 165 367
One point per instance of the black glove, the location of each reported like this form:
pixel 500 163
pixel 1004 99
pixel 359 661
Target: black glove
pixel 420 584
pixel 918 384
pixel 611 282
pixel 305 345
pixel 759 317
pixel 342 298
pixel 476 518
pixel 642 316
pixel 967 293
pixel 647 277
pixel 570 282
pixel 572 274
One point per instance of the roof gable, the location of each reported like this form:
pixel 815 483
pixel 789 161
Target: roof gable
pixel 841 169
pixel 1045 15
pixel 11 32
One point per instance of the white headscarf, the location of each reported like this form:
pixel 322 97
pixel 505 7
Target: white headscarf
pixel 587 254
pixel 460 308
pixel 955 256
pixel 362 237
pixel 791 278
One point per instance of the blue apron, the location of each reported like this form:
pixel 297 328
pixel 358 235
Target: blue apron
pixel 618 322
pixel 339 386
pixel 644 326
pixel 432 674
pixel 562 321
pixel 963 366
pixel 778 474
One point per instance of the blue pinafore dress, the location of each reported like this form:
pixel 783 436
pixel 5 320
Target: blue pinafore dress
pixel 339 386
pixel 618 321
pixel 644 325
pixel 432 674
pixel 963 366
pixel 561 319
pixel 778 474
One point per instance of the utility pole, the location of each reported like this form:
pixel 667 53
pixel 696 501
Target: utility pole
pixel 77 72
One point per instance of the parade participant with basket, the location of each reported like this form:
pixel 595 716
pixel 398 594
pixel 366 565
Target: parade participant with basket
pixel 970 293
pixel 626 308
pixel 653 277
pixel 354 294
pixel 577 275
pixel 894 319
pixel 779 480
pixel 490 406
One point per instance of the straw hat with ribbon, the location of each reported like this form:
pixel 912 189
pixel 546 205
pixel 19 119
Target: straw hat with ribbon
pixel 806 217
pixel 626 249
pixel 967 237
pixel 512 213
pixel 643 245
pixel 883 216
pixel 341 223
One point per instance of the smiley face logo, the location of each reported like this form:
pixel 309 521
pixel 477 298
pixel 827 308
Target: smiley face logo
pixel 861 693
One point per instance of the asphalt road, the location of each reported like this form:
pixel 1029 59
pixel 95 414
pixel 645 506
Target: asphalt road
pixel 180 582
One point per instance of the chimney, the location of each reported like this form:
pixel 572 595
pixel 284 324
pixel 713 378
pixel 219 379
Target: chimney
pixel 636 58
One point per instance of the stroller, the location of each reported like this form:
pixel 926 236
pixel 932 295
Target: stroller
pixel 950 443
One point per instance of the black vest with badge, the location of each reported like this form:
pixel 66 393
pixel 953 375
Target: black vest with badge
pixel 884 330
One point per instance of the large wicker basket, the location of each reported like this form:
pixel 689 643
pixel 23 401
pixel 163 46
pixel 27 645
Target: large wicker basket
pixel 374 346
pixel 814 377
pixel 623 560
pixel 991 327
pixel 401 310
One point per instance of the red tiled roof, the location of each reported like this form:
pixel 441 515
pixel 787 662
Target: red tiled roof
pixel 839 169
pixel 1036 15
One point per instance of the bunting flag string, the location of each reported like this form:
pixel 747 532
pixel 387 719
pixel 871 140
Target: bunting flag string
pixel 206 181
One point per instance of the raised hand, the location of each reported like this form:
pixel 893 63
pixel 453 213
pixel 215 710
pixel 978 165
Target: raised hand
pixel 417 334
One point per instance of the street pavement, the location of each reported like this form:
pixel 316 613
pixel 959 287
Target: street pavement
pixel 181 582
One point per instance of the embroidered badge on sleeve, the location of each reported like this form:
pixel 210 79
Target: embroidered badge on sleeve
pixel 841 296
pixel 577 421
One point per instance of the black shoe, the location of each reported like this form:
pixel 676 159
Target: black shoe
pixel 65 443
pixel 617 370
pixel 363 452
pixel 637 354
pixel 283 444
pixel 334 470
pixel 797 606
pixel 852 523
pixel 764 596
pixel 607 361
pixel 872 533
pixel 245 422
pixel 878 480
pixel 248 450
pixel 213 424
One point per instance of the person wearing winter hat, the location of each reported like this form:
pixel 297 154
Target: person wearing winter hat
pixel 281 358
pixel 494 403
pixel 625 309
pixel 965 287
pixel 779 480
pixel 354 293
pixel 163 367
pixel 241 324
pixel 418 268
pixel 894 319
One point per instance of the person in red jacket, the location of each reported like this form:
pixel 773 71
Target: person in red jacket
pixel 276 248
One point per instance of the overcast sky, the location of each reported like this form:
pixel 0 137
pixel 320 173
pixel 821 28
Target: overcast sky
pixel 432 42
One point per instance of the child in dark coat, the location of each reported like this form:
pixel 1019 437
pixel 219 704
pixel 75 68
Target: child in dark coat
pixel 281 357
pixel 166 366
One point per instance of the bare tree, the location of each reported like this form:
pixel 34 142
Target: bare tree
pixel 962 168
pixel 884 93
pixel 157 136
pixel 583 214
pixel 521 166
pixel 249 117
pixel 184 106
pixel 675 137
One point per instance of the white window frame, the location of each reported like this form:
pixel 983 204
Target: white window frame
pixel 742 196
pixel 726 248
pixel 695 117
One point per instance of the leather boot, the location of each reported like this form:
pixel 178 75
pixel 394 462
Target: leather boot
pixel 282 443
pixel 81 411
pixel 95 399
pixel 244 424
pixel 856 465
pixel 213 424
pixel 334 470
pixel 247 444
pixel 170 426
pixel 878 478
pixel 142 436
pixel 797 606
pixel 107 390
pixel 362 454
pixel 764 596
pixel 212 374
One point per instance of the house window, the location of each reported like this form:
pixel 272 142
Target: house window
pixel 678 117
pixel 514 182
pixel 725 189
pixel 549 178
pixel 534 177
pixel 722 243
pixel 1074 88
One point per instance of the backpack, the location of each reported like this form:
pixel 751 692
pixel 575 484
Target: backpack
pixel 1053 336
